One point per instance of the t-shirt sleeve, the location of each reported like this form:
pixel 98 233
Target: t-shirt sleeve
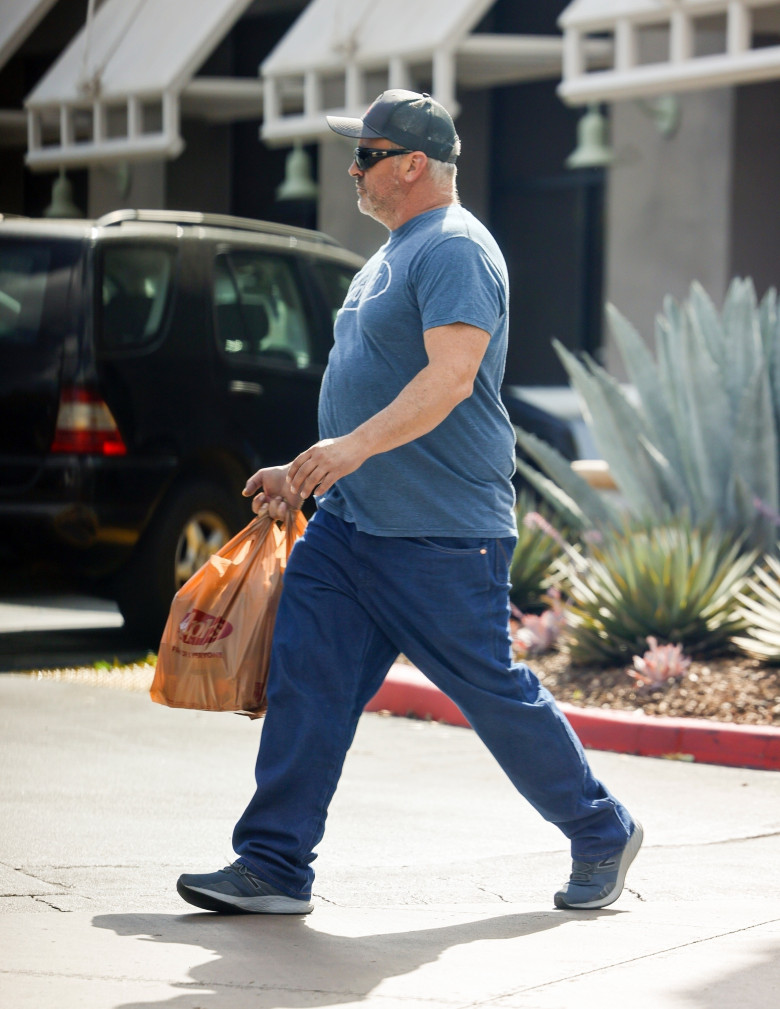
pixel 456 281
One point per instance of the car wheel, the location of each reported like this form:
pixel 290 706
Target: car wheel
pixel 203 534
pixel 196 521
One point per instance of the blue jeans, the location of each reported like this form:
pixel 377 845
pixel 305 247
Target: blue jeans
pixel 351 602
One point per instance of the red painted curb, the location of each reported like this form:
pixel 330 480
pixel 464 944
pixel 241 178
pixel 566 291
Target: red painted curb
pixel 407 692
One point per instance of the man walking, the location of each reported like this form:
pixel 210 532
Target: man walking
pixel 410 546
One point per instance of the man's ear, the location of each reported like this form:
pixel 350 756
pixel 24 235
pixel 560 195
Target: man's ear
pixel 416 165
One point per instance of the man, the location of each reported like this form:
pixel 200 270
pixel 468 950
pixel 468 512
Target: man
pixel 410 546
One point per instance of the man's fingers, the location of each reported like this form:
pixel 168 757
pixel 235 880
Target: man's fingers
pixel 298 474
pixel 253 484
pixel 309 477
pixel 259 501
pixel 318 468
pixel 277 508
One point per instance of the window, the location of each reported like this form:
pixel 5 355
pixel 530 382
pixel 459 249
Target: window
pixel 135 284
pixel 258 308
pixel 24 271
pixel 335 280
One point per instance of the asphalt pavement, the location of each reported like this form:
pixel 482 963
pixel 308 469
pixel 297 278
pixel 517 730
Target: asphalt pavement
pixel 434 880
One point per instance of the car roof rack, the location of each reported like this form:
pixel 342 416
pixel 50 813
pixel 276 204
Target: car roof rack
pixel 194 218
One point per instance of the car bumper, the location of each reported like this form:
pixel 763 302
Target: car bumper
pixel 92 510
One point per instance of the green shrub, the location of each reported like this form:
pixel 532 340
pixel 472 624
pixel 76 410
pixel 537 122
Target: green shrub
pixel 670 582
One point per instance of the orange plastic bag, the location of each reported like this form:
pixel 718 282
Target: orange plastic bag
pixel 216 646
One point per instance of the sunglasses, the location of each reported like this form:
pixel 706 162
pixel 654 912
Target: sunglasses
pixel 365 157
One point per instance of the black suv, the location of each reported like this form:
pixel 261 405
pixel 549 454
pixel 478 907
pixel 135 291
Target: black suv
pixel 149 362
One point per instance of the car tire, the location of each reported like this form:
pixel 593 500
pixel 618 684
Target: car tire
pixel 197 519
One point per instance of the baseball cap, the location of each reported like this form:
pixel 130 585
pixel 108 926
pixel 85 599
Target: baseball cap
pixel 411 120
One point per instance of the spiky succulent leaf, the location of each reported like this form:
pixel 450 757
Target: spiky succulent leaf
pixel 618 430
pixel 742 336
pixel 707 453
pixel 578 502
pixel 756 437
pixel 704 437
pixel 643 374
pixel 532 571
pixel 706 318
pixel 769 318
pixel 759 606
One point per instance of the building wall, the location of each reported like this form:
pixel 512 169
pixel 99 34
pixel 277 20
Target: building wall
pixel 115 187
pixel 668 208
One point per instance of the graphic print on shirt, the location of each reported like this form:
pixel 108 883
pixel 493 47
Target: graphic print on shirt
pixel 367 286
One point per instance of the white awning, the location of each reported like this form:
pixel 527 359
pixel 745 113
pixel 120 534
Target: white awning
pixel 340 54
pixel 662 46
pixel 19 17
pixel 115 92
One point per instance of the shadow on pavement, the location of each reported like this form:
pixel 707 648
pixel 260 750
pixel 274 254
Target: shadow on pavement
pixel 21 651
pixel 286 963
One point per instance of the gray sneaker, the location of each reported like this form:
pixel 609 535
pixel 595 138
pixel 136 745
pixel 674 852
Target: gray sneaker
pixel 236 890
pixel 597 884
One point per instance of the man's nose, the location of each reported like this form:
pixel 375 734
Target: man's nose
pixel 353 169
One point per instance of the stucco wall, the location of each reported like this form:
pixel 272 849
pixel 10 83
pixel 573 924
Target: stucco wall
pixel 668 208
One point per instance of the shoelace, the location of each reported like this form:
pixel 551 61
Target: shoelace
pixel 581 872
pixel 241 870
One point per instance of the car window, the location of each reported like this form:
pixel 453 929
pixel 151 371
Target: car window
pixel 258 308
pixel 24 271
pixel 335 279
pixel 136 281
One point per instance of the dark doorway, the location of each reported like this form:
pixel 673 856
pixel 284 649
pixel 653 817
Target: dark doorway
pixel 549 222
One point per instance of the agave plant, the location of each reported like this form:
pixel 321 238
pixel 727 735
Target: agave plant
pixel 759 607
pixel 672 582
pixel 701 434
pixel 539 545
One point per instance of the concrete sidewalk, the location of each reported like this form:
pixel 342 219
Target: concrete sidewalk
pixel 434 881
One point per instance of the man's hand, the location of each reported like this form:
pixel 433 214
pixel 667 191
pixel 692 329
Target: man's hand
pixel 319 467
pixel 274 491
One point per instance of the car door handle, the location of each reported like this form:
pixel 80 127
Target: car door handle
pixel 247 388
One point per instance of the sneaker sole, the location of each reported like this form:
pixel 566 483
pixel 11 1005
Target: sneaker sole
pixel 225 904
pixel 629 854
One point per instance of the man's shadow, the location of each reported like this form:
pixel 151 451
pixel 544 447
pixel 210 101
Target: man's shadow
pixel 286 963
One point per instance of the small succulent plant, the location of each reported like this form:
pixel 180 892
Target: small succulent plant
pixel 659 665
pixel 538 633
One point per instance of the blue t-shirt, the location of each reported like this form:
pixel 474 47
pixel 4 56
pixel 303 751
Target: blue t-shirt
pixel 440 267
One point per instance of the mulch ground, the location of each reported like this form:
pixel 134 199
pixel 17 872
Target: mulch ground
pixel 726 688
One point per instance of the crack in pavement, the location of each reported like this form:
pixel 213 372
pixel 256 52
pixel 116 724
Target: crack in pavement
pixel 492 893
pixel 42 900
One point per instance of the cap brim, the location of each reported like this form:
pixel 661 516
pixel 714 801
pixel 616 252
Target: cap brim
pixel 351 127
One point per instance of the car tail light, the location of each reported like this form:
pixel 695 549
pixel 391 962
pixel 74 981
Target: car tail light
pixel 85 425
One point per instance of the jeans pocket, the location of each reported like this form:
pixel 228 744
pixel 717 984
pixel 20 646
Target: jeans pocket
pixel 454 546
